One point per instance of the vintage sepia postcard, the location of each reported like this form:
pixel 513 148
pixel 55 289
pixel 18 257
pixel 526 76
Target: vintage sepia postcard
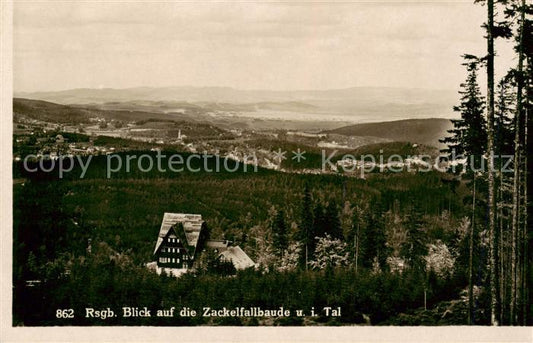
pixel 267 170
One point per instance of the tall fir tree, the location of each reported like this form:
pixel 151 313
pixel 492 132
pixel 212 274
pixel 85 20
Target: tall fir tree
pixel 354 236
pixel 279 234
pixel 372 238
pixel 516 12
pixel 305 234
pixel 332 221
pixel 319 221
pixel 503 141
pixel 468 135
pixel 503 121
pixel 415 248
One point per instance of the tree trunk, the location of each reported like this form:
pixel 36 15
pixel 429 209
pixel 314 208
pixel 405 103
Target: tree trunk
pixel 425 299
pixel 516 180
pixel 306 256
pixel 515 215
pixel 501 243
pixel 500 202
pixel 525 240
pixel 470 257
pixel 490 151
pixel 356 242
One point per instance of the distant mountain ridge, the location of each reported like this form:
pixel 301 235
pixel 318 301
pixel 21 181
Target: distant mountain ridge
pixel 422 131
pixel 356 104
pixel 363 103
pixel 57 113
pixel 232 95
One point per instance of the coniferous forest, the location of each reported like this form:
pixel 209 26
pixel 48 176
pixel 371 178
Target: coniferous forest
pixel 395 248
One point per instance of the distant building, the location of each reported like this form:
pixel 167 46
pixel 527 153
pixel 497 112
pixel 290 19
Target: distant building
pixel 181 239
pixel 60 139
pixel 230 253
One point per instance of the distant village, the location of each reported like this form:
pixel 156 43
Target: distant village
pixel 102 136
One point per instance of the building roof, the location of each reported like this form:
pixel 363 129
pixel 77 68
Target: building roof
pixel 237 256
pixel 217 244
pixel 192 225
pixel 229 252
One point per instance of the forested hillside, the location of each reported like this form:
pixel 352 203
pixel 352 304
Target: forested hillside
pixel 398 235
pixel 421 131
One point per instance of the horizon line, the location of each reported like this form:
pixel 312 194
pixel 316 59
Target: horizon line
pixel 230 87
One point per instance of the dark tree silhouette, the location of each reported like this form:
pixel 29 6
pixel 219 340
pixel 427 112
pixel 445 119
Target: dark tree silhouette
pixel 279 233
pixel 468 136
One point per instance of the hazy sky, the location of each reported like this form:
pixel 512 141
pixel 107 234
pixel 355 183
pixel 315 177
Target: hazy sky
pixel 247 45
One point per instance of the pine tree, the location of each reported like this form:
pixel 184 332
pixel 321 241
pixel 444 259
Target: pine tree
pixel 372 241
pixel 306 234
pixel 319 221
pixel 516 12
pixel 468 136
pixel 355 236
pixel 516 277
pixel 503 122
pixel 279 234
pixel 503 139
pixel 332 221
pixel 415 248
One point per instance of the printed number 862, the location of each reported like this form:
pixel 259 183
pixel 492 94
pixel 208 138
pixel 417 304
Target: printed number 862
pixel 68 313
